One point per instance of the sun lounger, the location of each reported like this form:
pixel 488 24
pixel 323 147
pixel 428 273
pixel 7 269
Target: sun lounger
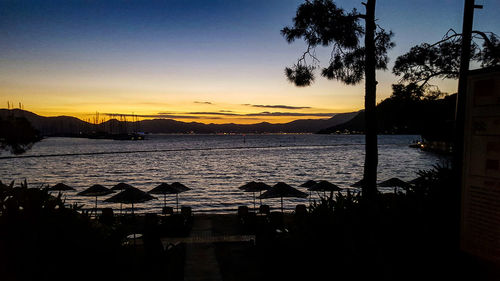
pixel 107 216
pixel 242 211
pixel 167 211
pixel 264 209
pixel 187 213
pixel 246 220
pixel 300 216
pixel 301 209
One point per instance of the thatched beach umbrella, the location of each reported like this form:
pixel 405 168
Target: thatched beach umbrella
pixel 419 180
pixel 325 186
pixel 308 183
pixel 395 182
pixel 164 188
pixel 359 183
pixel 179 187
pixel 281 190
pixel 60 187
pixel 130 196
pixel 255 187
pixel 95 190
pixel 121 186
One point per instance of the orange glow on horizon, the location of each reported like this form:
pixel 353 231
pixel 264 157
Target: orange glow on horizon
pixel 205 119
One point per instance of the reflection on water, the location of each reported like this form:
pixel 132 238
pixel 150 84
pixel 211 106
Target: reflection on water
pixel 205 164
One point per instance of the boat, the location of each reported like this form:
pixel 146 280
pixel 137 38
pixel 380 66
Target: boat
pixel 131 136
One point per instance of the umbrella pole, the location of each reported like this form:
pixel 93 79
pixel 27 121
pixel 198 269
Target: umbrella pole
pixel 282 205
pixel 254 201
pixel 164 200
pixel 134 223
pixel 96 206
pixel 177 201
pixel 260 193
pixel 120 209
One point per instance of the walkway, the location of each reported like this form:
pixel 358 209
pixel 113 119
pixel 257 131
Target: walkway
pixel 201 262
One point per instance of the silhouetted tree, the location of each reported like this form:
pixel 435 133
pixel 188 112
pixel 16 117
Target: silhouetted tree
pixel 414 92
pixel 322 23
pixel 442 60
pixel 17 134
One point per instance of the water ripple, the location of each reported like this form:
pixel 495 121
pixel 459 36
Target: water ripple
pixel 213 166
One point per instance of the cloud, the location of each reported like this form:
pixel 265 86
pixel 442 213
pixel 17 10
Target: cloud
pixel 159 115
pixel 219 114
pixel 259 114
pixel 277 106
pixel 214 113
pixel 203 102
pixel 266 113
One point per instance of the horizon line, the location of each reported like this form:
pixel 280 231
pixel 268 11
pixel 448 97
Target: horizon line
pixel 173 117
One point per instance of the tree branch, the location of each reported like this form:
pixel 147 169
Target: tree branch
pixel 425 80
pixel 488 41
pixel 445 39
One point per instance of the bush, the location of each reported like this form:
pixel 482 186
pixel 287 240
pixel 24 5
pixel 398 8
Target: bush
pixel 42 239
pixel 404 235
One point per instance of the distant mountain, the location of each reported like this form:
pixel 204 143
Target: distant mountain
pixel 71 126
pixel 297 126
pixel 49 126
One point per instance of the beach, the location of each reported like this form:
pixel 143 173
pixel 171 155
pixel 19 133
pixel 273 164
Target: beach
pixel 216 248
pixel 386 235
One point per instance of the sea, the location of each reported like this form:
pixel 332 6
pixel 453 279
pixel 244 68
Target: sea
pixel 212 166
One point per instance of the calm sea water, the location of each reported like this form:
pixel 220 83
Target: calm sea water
pixel 214 166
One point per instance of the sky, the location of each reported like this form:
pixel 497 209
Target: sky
pixel 210 61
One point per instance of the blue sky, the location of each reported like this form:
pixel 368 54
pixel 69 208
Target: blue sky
pixel 78 57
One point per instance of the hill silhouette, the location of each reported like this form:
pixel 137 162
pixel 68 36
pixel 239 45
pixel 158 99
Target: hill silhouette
pixel 71 126
pixel 433 119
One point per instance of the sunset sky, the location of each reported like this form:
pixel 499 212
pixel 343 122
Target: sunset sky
pixel 204 61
